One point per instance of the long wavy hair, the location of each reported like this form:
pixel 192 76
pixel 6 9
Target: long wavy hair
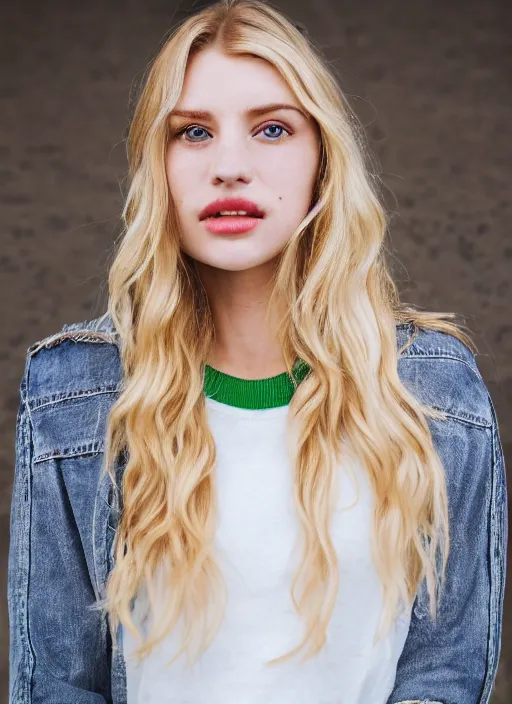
pixel 341 311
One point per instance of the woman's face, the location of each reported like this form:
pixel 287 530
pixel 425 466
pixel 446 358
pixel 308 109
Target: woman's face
pixel 269 157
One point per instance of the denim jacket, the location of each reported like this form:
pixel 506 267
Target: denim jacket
pixel 64 517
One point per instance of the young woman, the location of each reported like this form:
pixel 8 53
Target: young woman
pixel 259 477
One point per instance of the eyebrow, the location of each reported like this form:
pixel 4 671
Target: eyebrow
pixel 251 112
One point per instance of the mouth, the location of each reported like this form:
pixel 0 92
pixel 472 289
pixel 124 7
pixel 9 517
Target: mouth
pixel 231 208
pixel 233 214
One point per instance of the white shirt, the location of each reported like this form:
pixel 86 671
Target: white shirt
pixel 257 545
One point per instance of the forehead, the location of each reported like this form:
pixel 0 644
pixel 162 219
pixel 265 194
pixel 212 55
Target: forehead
pixel 214 79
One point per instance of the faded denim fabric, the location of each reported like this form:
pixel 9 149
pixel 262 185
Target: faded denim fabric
pixel 64 518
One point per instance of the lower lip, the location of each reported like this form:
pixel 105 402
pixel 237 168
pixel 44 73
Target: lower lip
pixel 230 224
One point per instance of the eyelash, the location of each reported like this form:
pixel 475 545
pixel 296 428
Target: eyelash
pixel 182 131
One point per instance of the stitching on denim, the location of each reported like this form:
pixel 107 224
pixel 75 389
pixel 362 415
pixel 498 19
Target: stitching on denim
pixel 80 335
pixel 497 514
pixel 94 447
pixel 78 451
pixel 53 399
pixel 24 683
pixel 444 354
pixel 467 418
pixel 420 701
pixel 460 415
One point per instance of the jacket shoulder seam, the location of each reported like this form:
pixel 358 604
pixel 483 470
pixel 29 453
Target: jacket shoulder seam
pixel 449 356
pixel 443 346
pixel 75 335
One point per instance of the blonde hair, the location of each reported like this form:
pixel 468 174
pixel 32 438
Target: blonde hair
pixel 341 310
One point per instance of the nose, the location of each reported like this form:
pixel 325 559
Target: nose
pixel 231 162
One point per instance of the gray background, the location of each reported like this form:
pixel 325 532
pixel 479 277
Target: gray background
pixel 431 82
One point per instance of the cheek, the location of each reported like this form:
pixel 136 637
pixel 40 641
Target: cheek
pixel 172 168
pixel 292 185
pixel 291 170
pixel 180 179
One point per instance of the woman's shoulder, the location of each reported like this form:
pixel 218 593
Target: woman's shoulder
pixel 434 343
pixel 81 358
pixel 99 329
pixel 442 372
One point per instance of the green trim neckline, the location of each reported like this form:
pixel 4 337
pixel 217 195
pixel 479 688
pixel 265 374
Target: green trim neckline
pixel 255 394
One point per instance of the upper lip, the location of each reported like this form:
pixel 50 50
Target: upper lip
pixel 231 204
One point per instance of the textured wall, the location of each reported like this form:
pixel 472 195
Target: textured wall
pixel 430 81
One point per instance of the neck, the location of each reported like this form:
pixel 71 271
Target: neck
pixel 246 341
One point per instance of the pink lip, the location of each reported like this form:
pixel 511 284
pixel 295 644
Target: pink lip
pixel 231 224
pixel 232 204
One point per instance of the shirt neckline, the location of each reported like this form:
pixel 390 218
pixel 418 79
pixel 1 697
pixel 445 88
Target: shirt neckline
pixel 253 394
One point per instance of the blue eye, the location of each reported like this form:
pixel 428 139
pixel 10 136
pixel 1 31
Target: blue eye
pixel 195 128
pixel 279 127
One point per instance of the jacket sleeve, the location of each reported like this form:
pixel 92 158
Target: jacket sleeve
pixel 454 660
pixel 56 654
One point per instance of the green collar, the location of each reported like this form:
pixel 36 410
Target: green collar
pixel 256 394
